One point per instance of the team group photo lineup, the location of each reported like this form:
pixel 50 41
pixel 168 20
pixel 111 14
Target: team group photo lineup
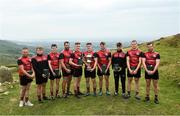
pixel 89 57
pixel 59 68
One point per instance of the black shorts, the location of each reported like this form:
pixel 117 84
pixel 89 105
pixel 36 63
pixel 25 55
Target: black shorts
pixel 41 80
pixel 137 75
pixel 99 73
pixel 154 76
pixel 77 72
pixel 65 74
pixel 52 77
pixel 24 80
pixel 89 73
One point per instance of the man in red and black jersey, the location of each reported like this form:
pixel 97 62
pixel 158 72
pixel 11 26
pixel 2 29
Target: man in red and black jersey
pixel 151 61
pixel 90 61
pixel 41 68
pixel 66 68
pixel 26 75
pixel 55 70
pixel 119 69
pixel 104 62
pixel 76 62
pixel 134 56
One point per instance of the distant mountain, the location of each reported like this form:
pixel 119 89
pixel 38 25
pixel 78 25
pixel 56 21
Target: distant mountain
pixel 8 47
pixel 47 44
pixel 10 51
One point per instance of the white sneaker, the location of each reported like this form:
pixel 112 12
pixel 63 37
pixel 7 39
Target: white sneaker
pixel 28 103
pixel 115 93
pixel 21 103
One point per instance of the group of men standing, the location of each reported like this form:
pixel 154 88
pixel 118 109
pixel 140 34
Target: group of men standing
pixel 68 64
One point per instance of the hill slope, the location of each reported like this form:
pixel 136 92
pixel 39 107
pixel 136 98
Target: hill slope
pixel 10 51
pixel 169 49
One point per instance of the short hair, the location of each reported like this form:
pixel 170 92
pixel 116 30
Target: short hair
pixel 54 45
pixel 77 43
pixel 39 47
pixel 24 48
pixel 89 43
pixel 149 43
pixel 133 41
pixel 102 43
pixel 66 42
pixel 119 44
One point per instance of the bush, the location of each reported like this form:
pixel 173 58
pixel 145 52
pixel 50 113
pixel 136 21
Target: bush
pixel 174 41
pixel 5 75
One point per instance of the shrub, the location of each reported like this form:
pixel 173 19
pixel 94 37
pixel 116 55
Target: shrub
pixel 5 75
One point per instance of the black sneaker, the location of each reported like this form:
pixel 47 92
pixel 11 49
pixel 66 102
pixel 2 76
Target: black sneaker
pixel 69 93
pixel 40 101
pixel 137 97
pixel 52 97
pixel 58 96
pixel 94 94
pixel 124 96
pixel 45 98
pixel 80 93
pixel 147 99
pixel 65 96
pixel 128 96
pixel 156 101
pixel 87 94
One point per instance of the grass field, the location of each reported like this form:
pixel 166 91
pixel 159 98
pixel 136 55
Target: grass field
pixel 169 94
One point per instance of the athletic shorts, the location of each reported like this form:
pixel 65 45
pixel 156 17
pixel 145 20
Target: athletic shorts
pixel 52 77
pixel 99 73
pixel 24 80
pixel 154 76
pixel 89 73
pixel 41 80
pixel 65 74
pixel 137 75
pixel 77 72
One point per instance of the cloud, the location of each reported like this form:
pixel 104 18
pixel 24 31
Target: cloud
pixel 41 19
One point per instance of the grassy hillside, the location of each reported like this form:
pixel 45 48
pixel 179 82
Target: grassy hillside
pixel 8 52
pixel 169 49
pixel 169 92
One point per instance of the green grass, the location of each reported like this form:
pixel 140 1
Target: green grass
pixel 169 102
pixel 169 94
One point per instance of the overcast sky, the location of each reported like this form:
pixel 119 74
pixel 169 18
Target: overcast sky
pixel 88 19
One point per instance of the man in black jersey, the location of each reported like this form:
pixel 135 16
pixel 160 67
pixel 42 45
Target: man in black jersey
pixel 41 68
